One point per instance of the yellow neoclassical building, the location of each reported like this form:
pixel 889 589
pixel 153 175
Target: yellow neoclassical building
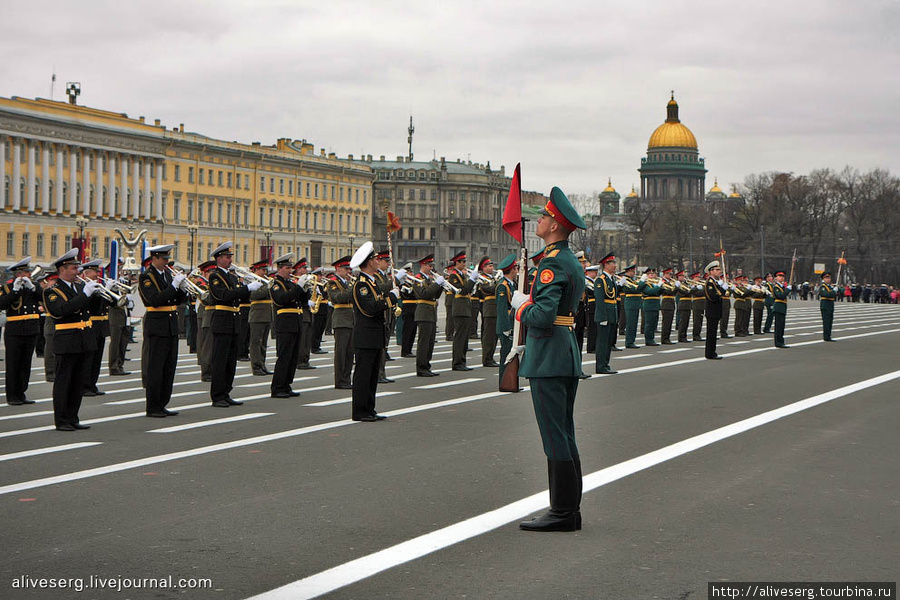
pixel 69 170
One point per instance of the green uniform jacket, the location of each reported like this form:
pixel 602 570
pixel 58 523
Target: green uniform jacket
pixel 340 296
pixel 427 293
pixel 606 295
pixel 742 299
pixel 462 303
pixel 631 293
pixel 827 295
pixel 551 349
pixel 668 295
pixel 505 315
pixel 651 294
pixel 488 294
pixel 683 293
pixel 780 298
pixel 260 306
pixel 770 298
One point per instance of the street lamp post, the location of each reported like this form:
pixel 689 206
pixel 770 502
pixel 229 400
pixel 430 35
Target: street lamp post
pixel 81 222
pixel 691 238
pixel 268 234
pixel 192 229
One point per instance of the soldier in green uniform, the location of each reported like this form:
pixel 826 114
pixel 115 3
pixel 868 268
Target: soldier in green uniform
pixel 301 269
pixel 590 326
pixel 779 307
pixel 827 295
pixel 769 302
pixel 742 295
pixel 427 291
pixel 339 294
pixel 260 320
pixel 667 307
pixel 487 293
pixel 464 281
pixel 698 306
pixel 759 300
pixel 606 313
pixel 683 298
pixel 551 360
pixel 505 289
pixel 633 299
pixel 650 297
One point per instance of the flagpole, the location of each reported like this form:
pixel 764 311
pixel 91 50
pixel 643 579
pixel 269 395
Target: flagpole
pixel 510 380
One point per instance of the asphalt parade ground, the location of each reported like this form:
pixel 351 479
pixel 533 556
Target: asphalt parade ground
pixel 770 465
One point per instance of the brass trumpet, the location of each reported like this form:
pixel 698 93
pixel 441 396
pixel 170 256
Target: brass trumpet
pixel 109 295
pixel 247 274
pixel 192 288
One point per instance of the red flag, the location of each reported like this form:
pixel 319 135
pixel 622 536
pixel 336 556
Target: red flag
pixel 512 213
pixel 393 222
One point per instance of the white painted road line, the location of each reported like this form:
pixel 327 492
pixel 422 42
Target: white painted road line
pixel 349 399
pixel 36 413
pixel 446 383
pixel 211 422
pixel 47 450
pixel 404 552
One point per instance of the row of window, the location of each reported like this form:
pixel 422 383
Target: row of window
pixel 65 156
pixel 104 208
pixel 412 194
pixel 409 175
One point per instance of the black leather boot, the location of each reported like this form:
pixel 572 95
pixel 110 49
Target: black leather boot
pixel 579 488
pixel 562 515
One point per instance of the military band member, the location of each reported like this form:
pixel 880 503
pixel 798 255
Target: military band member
pixel 20 299
pixel 464 281
pixel 633 300
pixel 759 299
pixel 161 293
pixel 118 336
pixel 606 313
pixel 714 292
pixel 385 284
pixel 227 293
pixel 487 294
pixel 552 362
pixel 291 301
pixel 301 269
pixel 650 301
pixel 67 303
pixel 827 295
pixel 99 309
pixel 698 306
pixel 340 295
pixel 205 314
pixel 49 328
pixel 769 285
pixel 427 293
pixel 683 297
pixel 320 317
pixel 260 320
pixel 667 307
pixel 726 312
pixel 532 270
pixel 590 304
pixel 448 308
pixel 369 310
pixel 505 315
pixel 408 304
pixel 779 307
pixel 742 297
pixel 581 315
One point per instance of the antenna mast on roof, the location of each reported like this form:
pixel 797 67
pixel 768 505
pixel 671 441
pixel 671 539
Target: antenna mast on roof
pixel 411 130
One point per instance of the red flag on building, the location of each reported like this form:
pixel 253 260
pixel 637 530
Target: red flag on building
pixel 512 213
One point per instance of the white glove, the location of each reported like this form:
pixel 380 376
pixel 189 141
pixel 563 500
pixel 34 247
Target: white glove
pixel 29 284
pixel 178 280
pixel 109 283
pixel 90 288
pixel 253 286
pixel 395 293
pixel 790 287
pixel 604 323
pixel 677 284
pixel 722 284
pixel 439 279
pixel 401 275
pixel 473 276
pixel 508 333
pixel 18 284
pixel 520 350
pixel 311 303
pixel 518 299
pixel 644 277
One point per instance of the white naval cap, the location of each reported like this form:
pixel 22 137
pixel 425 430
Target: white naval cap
pixel 223 249
pixel 365 252
pixel 711 266
pixel 592 268
pixel 22 264
pixel 69 258
pixel 285 259
pixel 161 250
pixel 96 264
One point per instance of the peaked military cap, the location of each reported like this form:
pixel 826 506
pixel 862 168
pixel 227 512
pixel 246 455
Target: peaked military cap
pixel 93 264
pixel 826 274
pixel 69 258
pixel 343 261
pixel 611 257
pixel 630 268
pixel 260 264
pixel 459 256
pixel 284 259
pixel 408 266
pixel 592 268
pixel 777 273
pixel 713 265
pixel 21 265
pixel 648 269
pixel 146 262
pixel 484 261
pixel 223 250
pixel 759 277
pixel 383 254
pixel 364 253
pixel 301 263
pixel 537 255
pixel 560 208
pixel 580 255
pixel 695 275
pixel 669 270
pixel 681 272
pixel 161 250
pixel 508 262
pixel 428 259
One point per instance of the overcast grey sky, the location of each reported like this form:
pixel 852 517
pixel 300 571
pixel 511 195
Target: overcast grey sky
pixel 572 90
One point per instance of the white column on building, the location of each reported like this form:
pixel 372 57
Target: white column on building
pixel 147 176
pixel 123 193
pixel 45 177
pixel 29 187
pixel 621 206
pixel 58 182
pixel 98 193
pixel 111 183
pixel 135 187
pixel 2 169
pixel 14 193
pixel 158 198
pixel 73 179
pixel 87 203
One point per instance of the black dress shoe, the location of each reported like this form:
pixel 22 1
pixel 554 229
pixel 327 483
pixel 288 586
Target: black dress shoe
pixel 88 393
pixel 367 419
pixel 305 367
pixel 551 522
pixel 234 402
pixel 463 368
pixel 427 374
pixel 616 349
pixel 119 373
pixel 343 387
pixel 407 355
pixel 170 413
pixel 243 359
pixel 725 336
pixel 606 371
pixel 388 357
pixel 385 380
pixel 782 346
pixel 668 343
pixel 828 340
pixel 281 395
pixel 80 426
pixel 157 414
pixel 15 402
pixel 65 427
pixel 713 358
pixel 491 364
pixel 27 401
pixel 293 394
pixel 207 379
pixel 221 404
pixel 320 351
pixel 699 339
pixel 652 344
pixel 380 417
pixel 632 346
pixel 260 373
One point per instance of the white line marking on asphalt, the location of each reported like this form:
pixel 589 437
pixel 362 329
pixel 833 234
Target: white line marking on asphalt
pixel 48 450
pixel 208 423
pixel 349 399
pixel 423 545
pixel 264 382
pixel 676 350
pixel 631 356
pixel 36 413
pixel 444 384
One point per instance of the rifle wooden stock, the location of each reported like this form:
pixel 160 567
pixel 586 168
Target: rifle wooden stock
pixel 510 380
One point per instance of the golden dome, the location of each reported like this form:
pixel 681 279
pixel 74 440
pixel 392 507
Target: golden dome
pixel 672 134
pixel 633 193
pixel 715 188
pixel 609 187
